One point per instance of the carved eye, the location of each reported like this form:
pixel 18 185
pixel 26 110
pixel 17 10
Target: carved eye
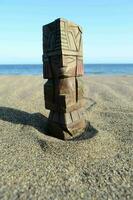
pixel 70 59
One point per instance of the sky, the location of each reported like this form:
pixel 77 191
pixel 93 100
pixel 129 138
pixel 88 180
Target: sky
pixel 107 28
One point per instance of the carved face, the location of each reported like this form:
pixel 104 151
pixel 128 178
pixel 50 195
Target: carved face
pixel 62 48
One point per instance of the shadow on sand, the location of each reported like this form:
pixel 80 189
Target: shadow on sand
pixel 38 121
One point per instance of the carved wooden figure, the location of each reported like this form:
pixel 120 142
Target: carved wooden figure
pixel 63 66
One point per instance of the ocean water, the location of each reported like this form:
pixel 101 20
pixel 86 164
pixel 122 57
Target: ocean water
pixel 90 69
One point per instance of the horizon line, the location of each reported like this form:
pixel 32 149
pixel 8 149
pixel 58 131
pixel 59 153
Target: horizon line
pixel 83 63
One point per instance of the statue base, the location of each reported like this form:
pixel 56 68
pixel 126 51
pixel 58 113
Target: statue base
pixel 67 132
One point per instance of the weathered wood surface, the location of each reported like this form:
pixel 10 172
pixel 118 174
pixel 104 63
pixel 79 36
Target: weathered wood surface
pixel 62 66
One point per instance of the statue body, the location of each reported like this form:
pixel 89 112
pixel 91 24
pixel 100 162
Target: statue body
pixel 63 67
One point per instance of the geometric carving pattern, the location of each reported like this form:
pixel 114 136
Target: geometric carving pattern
pixel 62 66
pixel 62 49
pixel 70 94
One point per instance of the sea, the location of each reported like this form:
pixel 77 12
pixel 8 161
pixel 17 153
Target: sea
pixel 90 69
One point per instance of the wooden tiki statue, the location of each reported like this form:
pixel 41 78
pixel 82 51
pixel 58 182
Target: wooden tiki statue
pixel 63 66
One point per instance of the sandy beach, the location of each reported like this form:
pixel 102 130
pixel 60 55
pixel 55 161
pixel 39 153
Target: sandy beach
pixel 97 165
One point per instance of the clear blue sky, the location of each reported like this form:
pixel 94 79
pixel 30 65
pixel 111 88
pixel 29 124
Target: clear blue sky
pixel 107 28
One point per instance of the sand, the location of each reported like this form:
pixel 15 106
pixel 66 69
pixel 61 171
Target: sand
pixel 97 165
